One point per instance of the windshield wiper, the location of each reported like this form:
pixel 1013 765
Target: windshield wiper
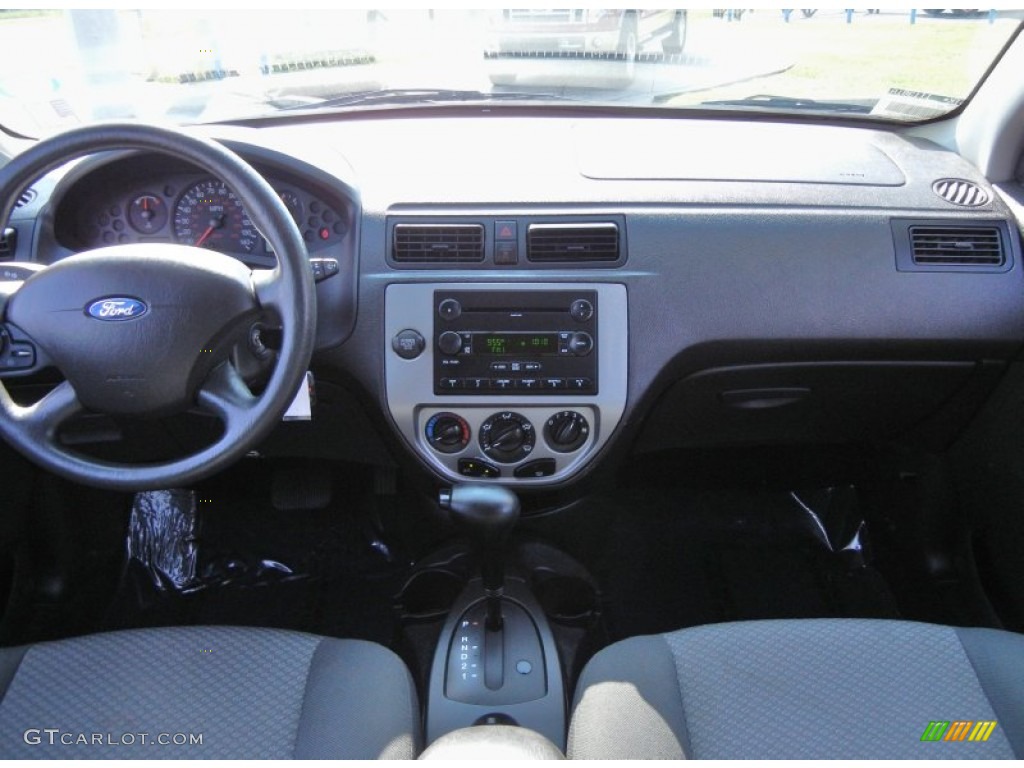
pixel 766 101
pixel 404 96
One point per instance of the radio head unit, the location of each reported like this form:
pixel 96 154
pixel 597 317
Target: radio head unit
pixel 515 342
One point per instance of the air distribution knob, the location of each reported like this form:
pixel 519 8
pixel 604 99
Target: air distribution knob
pixel 507 437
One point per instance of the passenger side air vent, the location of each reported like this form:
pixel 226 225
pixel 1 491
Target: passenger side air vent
pixel 586 241
pixel 960 192
pixel 963 246
pixel 438 243
pixel 934 245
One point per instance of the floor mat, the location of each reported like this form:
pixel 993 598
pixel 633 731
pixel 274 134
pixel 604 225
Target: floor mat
pixel 224 554
pixel 685 558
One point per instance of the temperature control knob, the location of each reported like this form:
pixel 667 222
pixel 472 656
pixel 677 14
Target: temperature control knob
pixel 507 437
pixel 447 432
pixel 566 431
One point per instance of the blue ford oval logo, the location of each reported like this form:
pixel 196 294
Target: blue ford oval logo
pixel 117 308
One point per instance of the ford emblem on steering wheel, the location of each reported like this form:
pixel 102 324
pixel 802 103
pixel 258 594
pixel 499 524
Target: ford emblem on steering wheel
pixel 117 308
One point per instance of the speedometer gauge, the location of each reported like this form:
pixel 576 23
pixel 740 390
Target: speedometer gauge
pixel 209 215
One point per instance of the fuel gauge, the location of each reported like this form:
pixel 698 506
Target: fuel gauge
pixel 147 214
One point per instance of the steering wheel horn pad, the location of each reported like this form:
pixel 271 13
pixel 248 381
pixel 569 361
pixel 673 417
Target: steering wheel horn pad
pixel 136 328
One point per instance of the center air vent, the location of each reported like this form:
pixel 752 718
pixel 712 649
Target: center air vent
pixel 961 192
pixel 438 243
pixel 573 242
pixel 963 246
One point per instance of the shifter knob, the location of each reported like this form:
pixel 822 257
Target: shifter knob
pixel 487 512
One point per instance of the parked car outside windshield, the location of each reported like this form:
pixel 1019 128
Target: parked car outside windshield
pixel 188 66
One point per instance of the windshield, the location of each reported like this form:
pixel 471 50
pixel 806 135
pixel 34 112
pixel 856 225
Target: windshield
pixel 63 68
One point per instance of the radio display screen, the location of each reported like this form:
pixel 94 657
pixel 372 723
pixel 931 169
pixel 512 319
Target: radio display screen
pixel 515 343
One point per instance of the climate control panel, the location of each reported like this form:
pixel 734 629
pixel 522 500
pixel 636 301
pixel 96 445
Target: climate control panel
pixel 519 383
pixel 528 443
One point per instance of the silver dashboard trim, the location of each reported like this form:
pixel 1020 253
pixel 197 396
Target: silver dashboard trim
pixel 410 392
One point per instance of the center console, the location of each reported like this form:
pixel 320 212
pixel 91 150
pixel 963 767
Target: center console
pixel 519 383
pixel 496 662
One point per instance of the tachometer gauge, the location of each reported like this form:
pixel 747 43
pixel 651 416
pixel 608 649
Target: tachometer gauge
pixel 209 215
pixel 147 214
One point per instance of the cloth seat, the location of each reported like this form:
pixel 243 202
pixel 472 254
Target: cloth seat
pixel 804 689
pixel 244 692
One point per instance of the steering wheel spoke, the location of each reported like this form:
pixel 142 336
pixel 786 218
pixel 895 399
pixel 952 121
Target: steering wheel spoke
pixel 44 417
pixel 267 286
pixel 226 395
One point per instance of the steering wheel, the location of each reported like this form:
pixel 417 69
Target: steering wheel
pixel 147 330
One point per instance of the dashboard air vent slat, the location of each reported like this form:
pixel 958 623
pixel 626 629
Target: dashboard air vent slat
pixel 438 243
pixel 961 246
pixel 25 198
pixel 961 192
pixel 573 242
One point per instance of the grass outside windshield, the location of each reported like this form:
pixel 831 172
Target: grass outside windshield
pixel 189 66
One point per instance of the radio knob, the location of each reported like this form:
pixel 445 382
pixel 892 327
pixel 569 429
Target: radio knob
pixel 449 309
pixel 581 310
pixel 581 344
pixel 449 342
pixel 566 431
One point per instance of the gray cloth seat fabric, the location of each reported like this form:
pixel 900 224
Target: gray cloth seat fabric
pixel 242 692
pixel 803 689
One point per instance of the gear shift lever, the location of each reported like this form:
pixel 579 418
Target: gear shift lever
pixel 487 513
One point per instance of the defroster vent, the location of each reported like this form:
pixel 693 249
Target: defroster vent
pixel 438 243
pixel 584 241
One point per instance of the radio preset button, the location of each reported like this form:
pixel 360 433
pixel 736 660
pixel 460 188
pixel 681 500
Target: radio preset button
pixel 478 383
pixel 582 383
pixel 529 384
pixel 450 343
pixel 447 383
pixel 503 383
pixel 553 383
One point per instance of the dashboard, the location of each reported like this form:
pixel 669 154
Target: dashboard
pixel 533 312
